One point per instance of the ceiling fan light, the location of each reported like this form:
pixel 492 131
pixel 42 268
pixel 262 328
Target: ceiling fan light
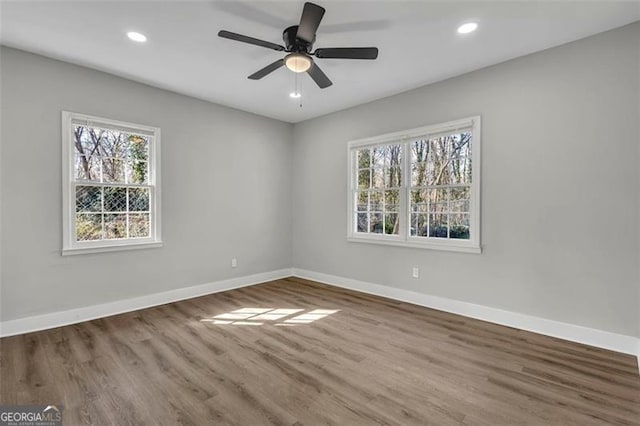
pixel 297 62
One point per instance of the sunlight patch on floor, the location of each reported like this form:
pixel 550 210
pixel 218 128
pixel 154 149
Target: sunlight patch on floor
pixel 287 317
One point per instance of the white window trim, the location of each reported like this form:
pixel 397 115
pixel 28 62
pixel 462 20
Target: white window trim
pixel 69 245
pixel 404 239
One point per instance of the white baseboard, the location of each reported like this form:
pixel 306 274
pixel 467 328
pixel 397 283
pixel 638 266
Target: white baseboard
pixel 575 333
pixel 72 316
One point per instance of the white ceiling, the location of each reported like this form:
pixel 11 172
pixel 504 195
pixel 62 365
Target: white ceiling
pixel 417 40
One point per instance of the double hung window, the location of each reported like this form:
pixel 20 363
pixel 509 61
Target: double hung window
pixel 417 188
pixel 111 191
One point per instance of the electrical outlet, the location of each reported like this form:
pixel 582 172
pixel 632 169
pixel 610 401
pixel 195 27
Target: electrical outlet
pixel 234 262
pixel 415 273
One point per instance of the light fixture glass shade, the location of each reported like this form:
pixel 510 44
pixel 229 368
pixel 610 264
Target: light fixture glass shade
pixel 297 62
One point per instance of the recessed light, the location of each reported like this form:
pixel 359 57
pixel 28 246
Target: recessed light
pixel 467 28
pixel 295 94
pixel 140 38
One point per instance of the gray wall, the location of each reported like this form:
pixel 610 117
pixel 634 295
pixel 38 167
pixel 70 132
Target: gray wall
pixel 559 186
pixel 226 190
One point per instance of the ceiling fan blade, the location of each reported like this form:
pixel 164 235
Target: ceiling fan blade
pixel 347 53
pixel 309 21
pixel 318 76
pixel 250 40
pixel 267 70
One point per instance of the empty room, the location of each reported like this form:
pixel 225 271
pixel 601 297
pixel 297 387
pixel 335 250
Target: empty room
pixel 319 213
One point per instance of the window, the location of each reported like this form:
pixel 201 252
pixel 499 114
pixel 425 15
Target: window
pixel 418 188
pixel 111 185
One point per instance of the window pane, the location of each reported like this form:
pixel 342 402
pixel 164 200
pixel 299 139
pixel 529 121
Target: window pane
pixel 86 167
pixel 419 208
pixel 387 156
pixel 363 222
pixel 419 225
pixel 392 196
pixel 88 199
pixel 138 148
pixel 461 145
pixel 459 226
pixel 393 177
pixel 375 223
pixel 377 178
pixel 379 156
pixel 438 226
pixel 439 173
pixel 419 151
pixel 375 201
pixel 391 224
pixel 88 227
pixel 362 201
pixel 394 157
pixel 112 170
pixel 459 200
pixel 113 144
pixel 138 225
pixel 419 196
pixel 364 179
pixel 414 224
pixel 138 199
pixel 450 157
pixel 379 167
pixel 138 172
pixel 440 161
pixel 438 200
pixel 115 226
pixel 440 147
pixel 86 141
pixel 138 167
pixel 453 171
pixel 115 199
pixel 392 201
pixel 364 158
pixel 460 170
pixel 421 174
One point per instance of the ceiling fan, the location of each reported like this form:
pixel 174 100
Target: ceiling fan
pixel 299 40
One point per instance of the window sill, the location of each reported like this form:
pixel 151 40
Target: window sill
pixel 110 248
pixel 397 242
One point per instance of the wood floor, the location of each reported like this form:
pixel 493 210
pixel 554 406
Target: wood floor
pixel 297 352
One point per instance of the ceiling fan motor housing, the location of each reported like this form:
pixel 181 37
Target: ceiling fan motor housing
pixel 293 43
